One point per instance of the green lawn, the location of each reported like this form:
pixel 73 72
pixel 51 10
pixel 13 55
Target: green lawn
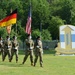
pixel 52 65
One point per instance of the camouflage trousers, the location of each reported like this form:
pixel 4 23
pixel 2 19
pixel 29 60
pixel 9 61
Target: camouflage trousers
pixel 2 53
pixel 38 54
pixel 7 52
pixel 27 53
pixel 14 51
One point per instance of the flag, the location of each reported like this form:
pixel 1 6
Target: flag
pixel 28 24
pixel 10 19
pixel 8 28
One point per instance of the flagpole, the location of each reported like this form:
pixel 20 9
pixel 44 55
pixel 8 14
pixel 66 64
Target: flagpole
pixel 28 24
pixel 11 25
pixel 16 28
pixel 30 2
pixel 41 29
pixel 30 12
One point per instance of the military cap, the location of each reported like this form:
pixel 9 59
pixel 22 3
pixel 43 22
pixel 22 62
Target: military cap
pixel 0 36
pixel 28 35
pixel 14 37
pixel 38 37
pixel 7 36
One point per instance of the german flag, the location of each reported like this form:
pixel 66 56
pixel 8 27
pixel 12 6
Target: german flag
pixel 10 19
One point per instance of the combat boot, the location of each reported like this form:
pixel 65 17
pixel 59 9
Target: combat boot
pixel 32 64
pixel 41 65
pixel 16 61
pixel 9 60
pixel 22 63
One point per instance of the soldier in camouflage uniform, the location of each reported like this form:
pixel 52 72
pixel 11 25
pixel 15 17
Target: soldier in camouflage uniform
pixel 38 51
pixel 15 46
pixel 7 48
pixel 1 47
pixel 29 50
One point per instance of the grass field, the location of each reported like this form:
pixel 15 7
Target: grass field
pixel 52 65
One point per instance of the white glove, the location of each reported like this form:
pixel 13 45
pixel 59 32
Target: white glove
pixel 37 46
pixel 42 52
pixel 9 46
pixel 15 47
pixel 31 47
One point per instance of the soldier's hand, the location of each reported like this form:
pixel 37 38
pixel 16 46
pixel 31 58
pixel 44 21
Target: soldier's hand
pixel 31 47
pixel 37 46
pixel 42 52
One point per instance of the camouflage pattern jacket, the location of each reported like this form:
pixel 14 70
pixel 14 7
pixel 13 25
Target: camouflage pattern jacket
pixel 29 44
pixel 15 44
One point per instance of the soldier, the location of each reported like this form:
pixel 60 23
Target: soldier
pixel 7 48
pixel 1 47
pixel 29 50
pixel 38 51
pixel 15 46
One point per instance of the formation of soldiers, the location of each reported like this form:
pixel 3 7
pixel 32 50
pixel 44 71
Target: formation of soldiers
pixel 8 47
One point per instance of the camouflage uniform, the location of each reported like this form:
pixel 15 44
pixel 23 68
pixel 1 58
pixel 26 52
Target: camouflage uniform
pixel 38 51
pixel 7 48
pixel 15 46
pixel 29 50
pixel 1 47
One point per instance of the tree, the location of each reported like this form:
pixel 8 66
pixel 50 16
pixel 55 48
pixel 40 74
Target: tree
pixel 35 33
pixel 55 23
pixel 3 32
pixel 62 8
pixel 50 13
pixel 46 35
pixel 40 13
pixel 73 13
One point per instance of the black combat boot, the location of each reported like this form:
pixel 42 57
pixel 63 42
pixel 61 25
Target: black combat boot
pixel 32 64
pixel 41 65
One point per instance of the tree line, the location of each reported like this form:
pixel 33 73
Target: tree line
pixel 49 14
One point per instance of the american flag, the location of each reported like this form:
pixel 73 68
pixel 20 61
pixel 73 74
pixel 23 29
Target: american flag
pixel 28 24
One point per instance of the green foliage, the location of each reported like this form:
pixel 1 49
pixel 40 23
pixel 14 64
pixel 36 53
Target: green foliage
pixel 35 33
pixel 40 13
pixel 55 23
pixel 62 9
pixel 2 13
pixel 3 32
pixel 50 13
pixel 46 35
pixel 12 33
pixel 73 13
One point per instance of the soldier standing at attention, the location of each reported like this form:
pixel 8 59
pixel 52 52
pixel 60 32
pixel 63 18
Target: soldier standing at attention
pixel 1 47
pixel 7 48
pixel 15 46
pixel 29 50
pixel 38 51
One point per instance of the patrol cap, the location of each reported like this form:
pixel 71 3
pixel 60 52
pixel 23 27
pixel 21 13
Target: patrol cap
pixel 0 37
pixel 38 37
pixel 14 37
pixel 7 36
pixel 28 35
